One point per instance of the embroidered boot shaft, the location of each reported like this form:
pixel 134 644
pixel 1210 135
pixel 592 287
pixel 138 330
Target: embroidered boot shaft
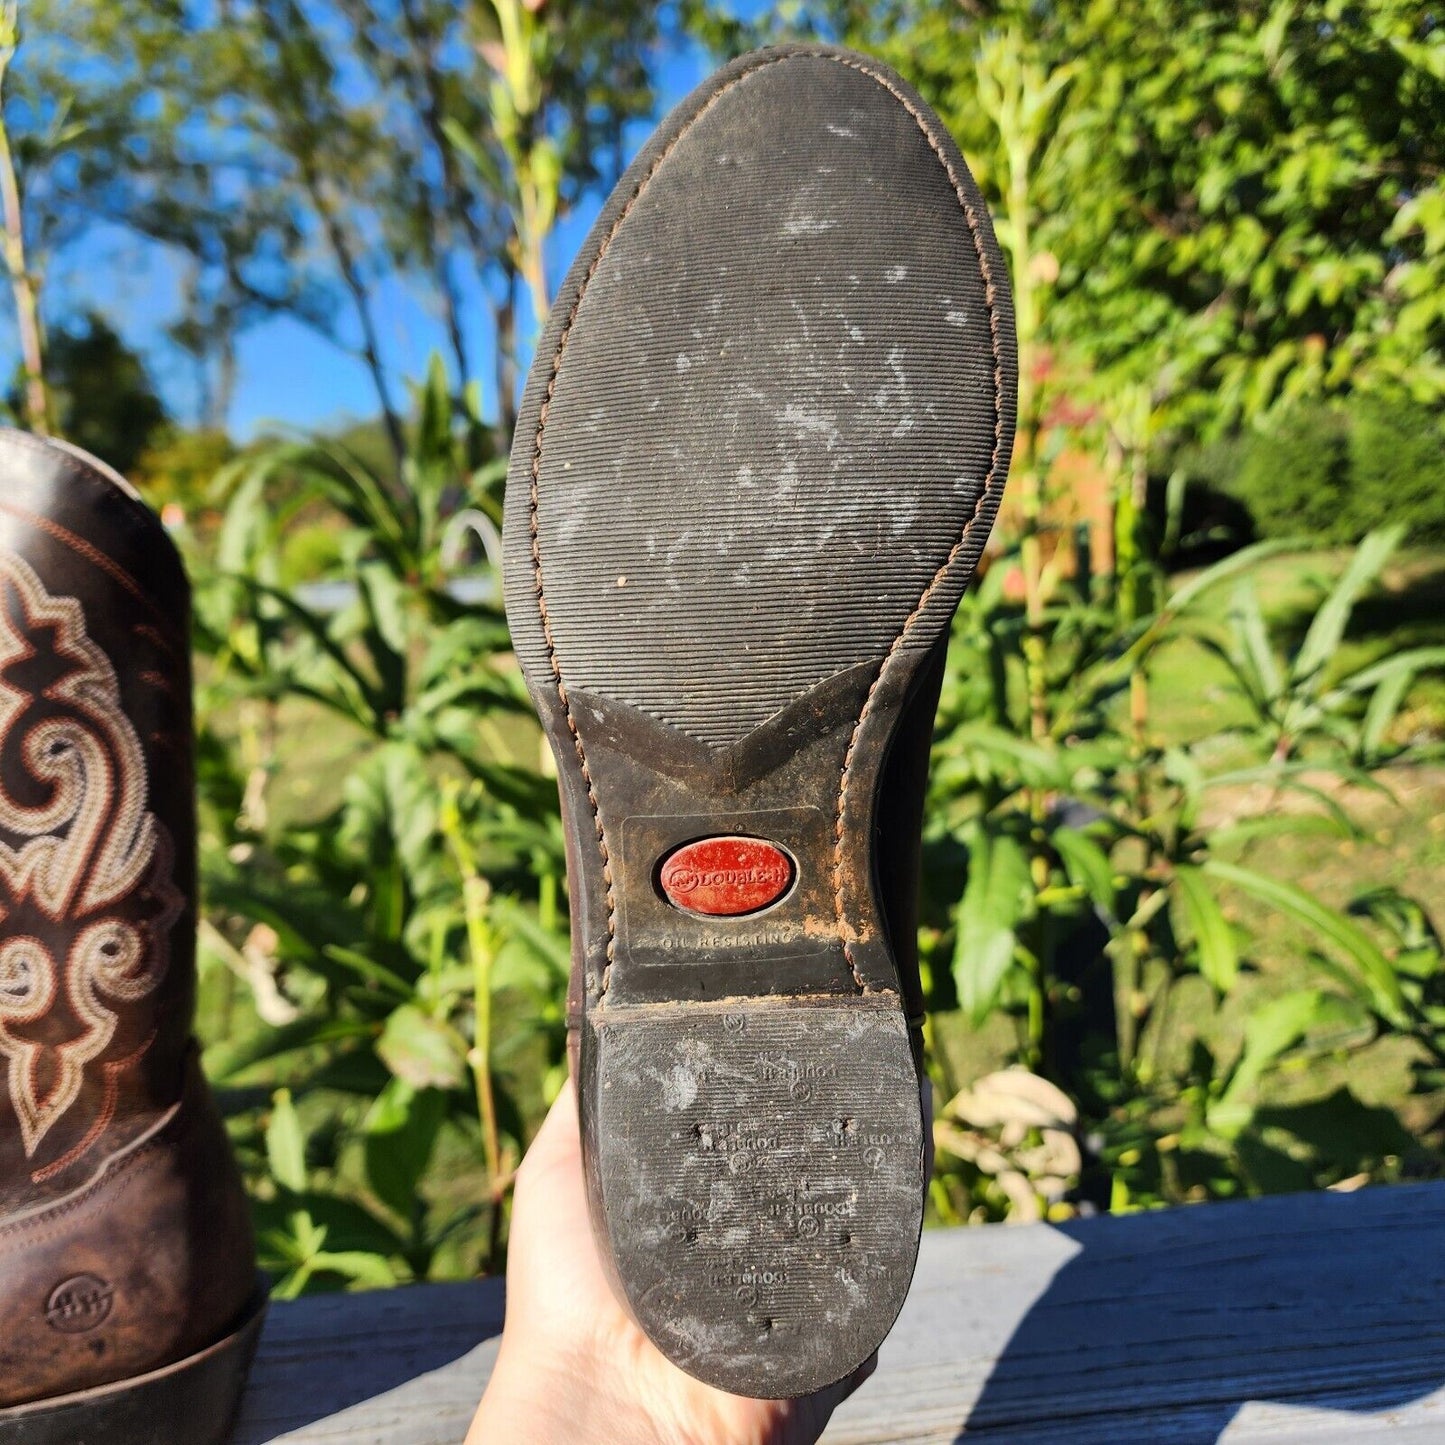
pixel 127 1269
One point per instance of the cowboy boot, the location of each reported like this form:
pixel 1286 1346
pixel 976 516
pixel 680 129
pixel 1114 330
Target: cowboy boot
pixel 760 451
pixel 128 1287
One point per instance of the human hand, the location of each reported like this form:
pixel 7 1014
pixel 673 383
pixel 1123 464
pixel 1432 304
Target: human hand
pixel 574 1367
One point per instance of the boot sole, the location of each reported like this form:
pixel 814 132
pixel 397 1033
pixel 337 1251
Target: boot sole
pixel 191 1402
pixel 722 626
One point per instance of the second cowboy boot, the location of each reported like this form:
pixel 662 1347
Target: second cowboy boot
pixel 129 1301
pixel 760 451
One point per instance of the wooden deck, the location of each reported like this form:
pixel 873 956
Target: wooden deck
pixel 1307 1318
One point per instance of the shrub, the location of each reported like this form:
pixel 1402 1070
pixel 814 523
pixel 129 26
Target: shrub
pixel 1397 466
pixel 1295 476
pixel 1332 472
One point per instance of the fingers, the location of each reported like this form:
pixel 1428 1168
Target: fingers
pixel 559 1138
pixel 551 1172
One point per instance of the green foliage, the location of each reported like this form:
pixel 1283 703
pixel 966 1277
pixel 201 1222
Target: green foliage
pixel 1100 903
pixel 1305 698
pixel 180 466
pixel 300 157
pixel 1397 465
pixel 101 396
pixel 1295 476
pixel 1236 205
pixel 380 941
pixel 1334 472
pixel 1214 215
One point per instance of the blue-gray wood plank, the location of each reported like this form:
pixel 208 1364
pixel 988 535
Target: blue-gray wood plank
pixel 1295 1319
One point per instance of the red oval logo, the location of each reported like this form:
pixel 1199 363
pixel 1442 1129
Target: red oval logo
pixel 726 877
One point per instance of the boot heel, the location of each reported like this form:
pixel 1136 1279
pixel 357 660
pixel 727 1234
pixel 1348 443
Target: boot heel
pixel 761 1168
pixel 191 1402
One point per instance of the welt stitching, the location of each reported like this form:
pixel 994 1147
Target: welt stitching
pixel 990 294
pixel 549 641
pixel 533 500
pixel 171 1128
pixel 43 1225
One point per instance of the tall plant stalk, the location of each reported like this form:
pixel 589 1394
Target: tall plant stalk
pixel 23 283
pixel 481 949
pixel 1021 101
pixel 516 103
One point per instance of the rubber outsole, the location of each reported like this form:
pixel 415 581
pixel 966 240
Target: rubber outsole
pixel 191 1402
pixel 760 451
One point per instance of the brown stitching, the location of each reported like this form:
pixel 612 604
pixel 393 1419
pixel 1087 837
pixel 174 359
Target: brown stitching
pixel 135 1169
pixel 533 501
pixel 990 295
pixel 112 1071
pixel 134 1157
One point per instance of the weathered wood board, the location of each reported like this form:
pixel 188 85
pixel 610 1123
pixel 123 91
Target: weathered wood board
pixel 1307 1318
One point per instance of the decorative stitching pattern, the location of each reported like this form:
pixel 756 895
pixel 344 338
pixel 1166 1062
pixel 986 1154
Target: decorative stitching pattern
pixel 91 849
pixel 50 1222
pixel 97 558
pixel 564 335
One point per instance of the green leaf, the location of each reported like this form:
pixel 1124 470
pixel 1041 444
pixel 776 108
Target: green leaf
pixel 345 1223
pixel 1191 591
pixel 1087 865
pixel 519 924
pixel 1256 660
pixel 1383 707
pixel 1294 825
pixel 285 1143
pixel 354 695
pixel 993 752
pixel 1218 957
pixel 383 600
pixel 433 443
pixel 228 1058
pixel 1326 922
pixel 993 903
pixel 1272 1028
pixel 368 969
pixel 401 1132
pixel 362 1268
pixel 1327 629
pixel 421 1051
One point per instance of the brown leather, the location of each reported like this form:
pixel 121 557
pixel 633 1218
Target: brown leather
pixel 902 789
pixel 124 1236
pixel 901 793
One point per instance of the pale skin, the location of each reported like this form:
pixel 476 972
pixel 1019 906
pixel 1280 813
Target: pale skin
pixel 573 1367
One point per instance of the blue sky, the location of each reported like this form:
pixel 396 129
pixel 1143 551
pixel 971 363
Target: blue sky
pixel 289 376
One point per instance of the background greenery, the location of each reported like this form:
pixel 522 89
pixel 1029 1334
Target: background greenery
pixel 1185 839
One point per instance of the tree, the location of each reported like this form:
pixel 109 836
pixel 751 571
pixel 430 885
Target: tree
pixel 102 395
pixel 1245 201
pixel 1249 200
pixel 299 157
pixel 24 285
